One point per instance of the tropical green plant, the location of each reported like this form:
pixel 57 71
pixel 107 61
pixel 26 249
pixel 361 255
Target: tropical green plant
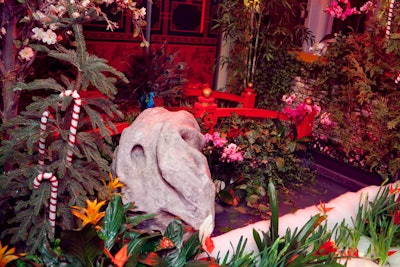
pixel 273 78
pixel 117 240
pixel 255 31
pixel 310 245
pixel 376 225
pixel 268 154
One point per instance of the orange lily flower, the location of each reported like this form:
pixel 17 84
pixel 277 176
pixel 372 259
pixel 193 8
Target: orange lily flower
pixel 112 184
pixel 6 255
pixel 121 257
pixel 91 214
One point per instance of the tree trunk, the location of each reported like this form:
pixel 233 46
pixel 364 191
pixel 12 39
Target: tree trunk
pixel 8 68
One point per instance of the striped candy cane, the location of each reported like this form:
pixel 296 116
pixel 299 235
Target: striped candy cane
pixel 42 148
pixel 74 121
pixel 42 140
pixel 389 19
pixel 53 195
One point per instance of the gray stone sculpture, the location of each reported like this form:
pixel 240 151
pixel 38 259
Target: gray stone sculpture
pixel 159 159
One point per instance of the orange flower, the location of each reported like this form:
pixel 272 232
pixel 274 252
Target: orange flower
pixel 6 255
pixel 205 232
pixel 112 184
pixel 328 247
pixel 323 208
pixel 165 243
pixel 121 257
pixel 91 214
pixel 208 245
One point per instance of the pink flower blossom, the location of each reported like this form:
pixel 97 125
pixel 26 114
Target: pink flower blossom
pixel 317 109
pixel 216 139
pixel 326 120
pixel 232 153
pixel 341 9
pixel 288 99
pixel 366 7
pixel 26 53
pixel 308 108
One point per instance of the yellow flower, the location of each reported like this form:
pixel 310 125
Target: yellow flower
pixel 254 4
pixel 91 214
pixel 113 184
pixel 6 256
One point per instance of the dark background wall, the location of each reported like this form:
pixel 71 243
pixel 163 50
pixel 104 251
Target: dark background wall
pixel 185 26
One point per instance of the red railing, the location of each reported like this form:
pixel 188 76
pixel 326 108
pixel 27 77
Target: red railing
pixel 206 108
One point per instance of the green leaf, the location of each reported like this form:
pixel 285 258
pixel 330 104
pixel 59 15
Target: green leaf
pixel 273 202
pixel 113 220
pixel 257 239
pixel 191 246
pixel 136 220
pixel 226 197
pixel 83 244
pixel 174 232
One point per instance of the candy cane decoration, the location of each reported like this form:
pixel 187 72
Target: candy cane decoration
pixel 388 28
pixel 389 19
pixel 42 140
pixel 53 195
pixel 42 148
pixel 74 121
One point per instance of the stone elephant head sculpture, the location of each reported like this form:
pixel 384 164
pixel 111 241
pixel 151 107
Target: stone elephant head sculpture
pixel 159 160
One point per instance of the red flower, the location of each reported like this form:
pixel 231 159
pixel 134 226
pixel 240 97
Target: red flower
pixel 394 191
pixel 351 252
pixel 328 247
pixel 395 214
pixel 391 252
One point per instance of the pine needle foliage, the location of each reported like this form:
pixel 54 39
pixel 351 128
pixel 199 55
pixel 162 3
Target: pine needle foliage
pixel 24 210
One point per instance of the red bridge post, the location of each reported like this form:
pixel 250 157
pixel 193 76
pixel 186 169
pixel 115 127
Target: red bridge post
pixel 249 96
pixel 205 108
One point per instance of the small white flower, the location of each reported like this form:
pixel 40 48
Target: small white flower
pixel 49 37
pixel 26 53
pixel 37 33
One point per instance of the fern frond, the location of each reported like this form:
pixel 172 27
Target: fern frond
pixel 39 84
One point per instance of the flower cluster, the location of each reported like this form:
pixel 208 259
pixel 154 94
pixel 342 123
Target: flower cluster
pixel 342 9
pixel 301 110
pixel 229 153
